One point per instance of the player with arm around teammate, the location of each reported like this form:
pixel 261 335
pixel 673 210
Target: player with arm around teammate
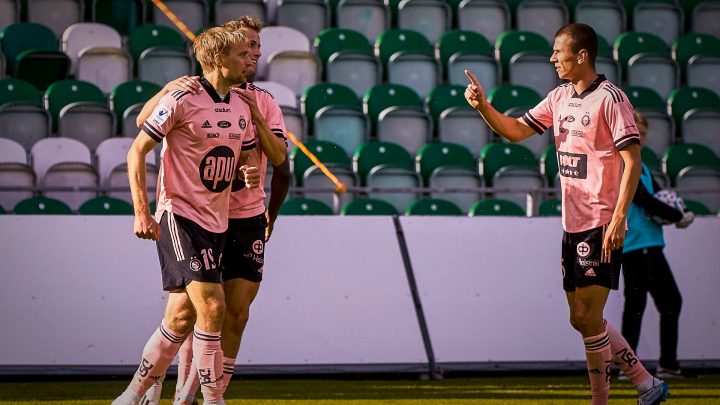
pixel 250 224
pixel 599 157
pixel 197 168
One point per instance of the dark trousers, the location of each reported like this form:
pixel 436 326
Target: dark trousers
pixel 647 271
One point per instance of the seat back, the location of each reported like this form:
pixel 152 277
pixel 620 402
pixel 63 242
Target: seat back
pixel 332 40
pixel 194 13
pixel 695 126
pixel 431 156
pixel 81 176
pixel 16 90
pixel 24 123
pixel 368 17
pixel 56 14
pixel 701 184
pixel 498 155
pixel 321 95
pixel 705 18
pixel 541 16
pixel 644 98
pixel 41 68
pixel 606 17
pixel 664 19
pixel 276 39
pixel 429 17
pixel 522 185
pixel 104 67
pixel 88 35
pixel 105 206
pixel 459 185
pixel 326 191
pixel 88 122
pixel 679 156
pixel 470 47
pixel 307 16
pixel 42 206
pixel 389 177
pixel 510 43
pixel 433 206
pixel 61 93
pixel 487 17
pixel 22 36
pixel 684 99
pixel 304 206
pixel 128 94
pixel 152 35
pixel 496 207
pixel 505 97
pixel 373 154
pixel 368 206
pixel 629 44
pixel 15 174
pixel 227 9
pixel 327 152
pixel 123 15
pixel 295 69
pixel 50 151
pixel 659 72
pixel 161 65
pixel 381 96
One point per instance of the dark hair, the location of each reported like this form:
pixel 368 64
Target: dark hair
pixel 582 36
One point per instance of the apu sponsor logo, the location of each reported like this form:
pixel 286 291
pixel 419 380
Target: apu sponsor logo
pixel 222 110
pixel 224 124
pixel 217 169
pixel 213 135
pixel 576 132
pixel 572 165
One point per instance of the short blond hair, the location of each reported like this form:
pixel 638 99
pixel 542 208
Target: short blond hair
pixel 245 21
pixel 639 118
pixel 212 42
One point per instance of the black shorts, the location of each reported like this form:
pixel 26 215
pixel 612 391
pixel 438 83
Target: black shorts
pixel 244 255
pixel 188 252
pixel 581 264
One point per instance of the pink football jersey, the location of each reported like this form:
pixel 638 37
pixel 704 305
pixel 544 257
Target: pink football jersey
pixel 202 135
pixel 589 128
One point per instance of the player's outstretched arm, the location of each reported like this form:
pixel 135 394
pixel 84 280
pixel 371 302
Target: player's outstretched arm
pixel 188 83
pixel 145 226
pixel 510 128
pixel 273 147
pixel 279 185
pixel 615 233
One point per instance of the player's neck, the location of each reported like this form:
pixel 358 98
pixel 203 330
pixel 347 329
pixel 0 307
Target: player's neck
pixel 219 82
pixel 584 80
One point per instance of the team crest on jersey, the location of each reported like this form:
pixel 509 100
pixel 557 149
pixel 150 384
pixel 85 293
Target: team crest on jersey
pixel 242 123
pixel 217 169
pixel 585 119
pixel 195 264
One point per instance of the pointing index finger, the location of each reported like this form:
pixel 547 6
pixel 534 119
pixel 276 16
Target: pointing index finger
pixel 472 77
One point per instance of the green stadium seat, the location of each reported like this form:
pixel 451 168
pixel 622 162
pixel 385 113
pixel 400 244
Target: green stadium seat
pixel 495 207
pixel 368 206
pixel 679 156
pixel 644 98
pixel 455 121
pixel 42 67
pixel 149 36
pixel 106 206
pixel 507 96
pixel 645 61
pixel 123 15
pixel 22 36
pixel 459 185
pixel 695 109
pixel 650 158
pixel 348 59
pixel 550 208
pixel 433 206
pixel 129 94
pixel 42 206
pixel 694 44
pixel 16 90
pixel 373 154
pixel 327 152
pixel 513 42
pixel 549 165
pixel 64 92
pixel 334 114
pixel 495 156
pixel 304 206
pixel 433 156
pixel 408 59
pixel 459 50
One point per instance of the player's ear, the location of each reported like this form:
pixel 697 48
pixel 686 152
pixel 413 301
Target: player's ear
pixel 582 56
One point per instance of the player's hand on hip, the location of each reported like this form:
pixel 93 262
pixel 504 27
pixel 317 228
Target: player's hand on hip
pixel 474 93
pixel 613 239
pixel 146 227
pixel 251 174
pixel 185 83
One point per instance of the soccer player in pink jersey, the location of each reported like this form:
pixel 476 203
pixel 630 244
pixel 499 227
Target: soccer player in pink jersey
pixel 250 223
pixel 599 157
pixel 207 140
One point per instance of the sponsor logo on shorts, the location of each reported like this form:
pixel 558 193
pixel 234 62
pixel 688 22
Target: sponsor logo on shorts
pixel 258 246
pixel 217 169
pixel 224 124
pixel 195 264
pixel 573 165
pixel 584 262
pixel 583 249
pixel 590 272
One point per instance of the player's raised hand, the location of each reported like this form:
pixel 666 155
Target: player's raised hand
pixel 251 175
pixel 474 93
pixel 185 83
pixel 249 98
pixel 146 227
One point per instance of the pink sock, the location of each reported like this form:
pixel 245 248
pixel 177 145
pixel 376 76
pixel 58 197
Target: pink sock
pixel 228 370
pixel 207 356
pixel 625 358
pixel 597 352
pixel 184 363
pixel 189 389
pixel 157 355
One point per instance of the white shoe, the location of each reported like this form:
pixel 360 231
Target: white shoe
pixel 655 395
pixel 152 395
pixel 127 398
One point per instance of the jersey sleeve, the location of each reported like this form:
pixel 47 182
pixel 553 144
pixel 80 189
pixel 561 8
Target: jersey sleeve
pixel 274 118
pixel 540 117
pixel 164 117
pixel 619 116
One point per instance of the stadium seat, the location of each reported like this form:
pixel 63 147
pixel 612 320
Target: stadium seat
pixel 86 121
pixel 455 121
pixel 56 14
pixel 368 206
pixel 127 95
pixel 382 177
pixel 700 184
pixel 123 15
pixel 106 206
pixel 161 65
pixel 42 67
pixel 429 17
pixel 700 125
pixel 459 185
pixel 277 39
pixel 307 16
pixel 314 178
pixel 348 59
pixel 662 18
pixel 295 69
pixel 506 97
pixel 63 92
pixel 283 95
pixel 396 114
pixel 327 152
pixel 433 206
pixel 104 67
pixel 530 47
pixel 224 10
pixel 328 97
pixel 606 17
pixel 645 61
pixel 2 65
pixel 605 63
pixel 487 17
pixel 407 58
pixel 151 35
pixel 679 156
pixel 698 208
pixel 295 123
pixel 650 158
pixel 25 123
pixel 432 156
pixel 110 154
pixel 550 208
pixel 304 206
pixel 194 13
pixel 549 166
pixel 23 36
pixel 683 100
pixel 699 58
pixel 88 35
pixel 368 17
pixel 522 185
pixel 541 16
pixel 9 12
pixel 496 207
pixel 458 50
pixel 644 98
pixel 42 206
pixel 705 18
pixel 378 153
pixel 498 155
pixel 15 90
pixel 14 172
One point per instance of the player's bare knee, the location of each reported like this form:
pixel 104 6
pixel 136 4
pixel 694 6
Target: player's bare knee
pixel 237 316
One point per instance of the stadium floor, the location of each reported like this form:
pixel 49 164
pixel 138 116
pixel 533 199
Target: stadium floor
pixel 480 390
